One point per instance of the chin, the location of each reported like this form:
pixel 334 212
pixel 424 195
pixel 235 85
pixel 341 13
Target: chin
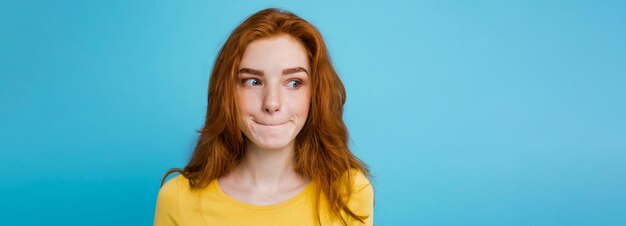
pixel 273 144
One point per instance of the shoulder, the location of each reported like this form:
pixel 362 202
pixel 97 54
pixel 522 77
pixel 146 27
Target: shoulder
pixel 360 180
pixel 360 183
pixel 362 194
pixel 172 189
pixel 361 199
pixel 167 204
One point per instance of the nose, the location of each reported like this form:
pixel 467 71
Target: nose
pixel 271 104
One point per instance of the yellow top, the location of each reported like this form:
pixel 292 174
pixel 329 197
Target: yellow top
pixel 177 204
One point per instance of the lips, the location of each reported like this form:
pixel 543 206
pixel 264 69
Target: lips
pixel 270 123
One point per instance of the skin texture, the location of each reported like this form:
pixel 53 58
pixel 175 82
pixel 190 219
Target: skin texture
pixel 273 95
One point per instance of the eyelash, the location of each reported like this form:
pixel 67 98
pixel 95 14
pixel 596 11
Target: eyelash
pixel 243 81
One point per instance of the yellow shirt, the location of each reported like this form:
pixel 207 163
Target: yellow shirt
pixel 177 204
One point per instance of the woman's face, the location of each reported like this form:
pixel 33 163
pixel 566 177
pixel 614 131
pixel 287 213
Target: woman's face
pixel 273 91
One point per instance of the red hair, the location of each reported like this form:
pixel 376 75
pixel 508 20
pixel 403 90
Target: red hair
pixel 321 149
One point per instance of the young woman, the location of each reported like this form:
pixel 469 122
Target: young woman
pixel 273 150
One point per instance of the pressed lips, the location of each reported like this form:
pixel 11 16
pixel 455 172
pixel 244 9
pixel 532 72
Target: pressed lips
pixel 270 124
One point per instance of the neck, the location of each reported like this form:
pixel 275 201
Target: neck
pixel 268 170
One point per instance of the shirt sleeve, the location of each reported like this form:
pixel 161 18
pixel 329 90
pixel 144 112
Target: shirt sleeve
pixel 362 200
pixel 167 209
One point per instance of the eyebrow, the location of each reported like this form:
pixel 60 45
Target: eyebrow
pixel 260 73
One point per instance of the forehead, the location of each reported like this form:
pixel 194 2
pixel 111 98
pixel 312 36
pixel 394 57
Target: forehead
pixel 275 53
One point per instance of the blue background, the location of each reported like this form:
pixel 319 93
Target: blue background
pixel 468 112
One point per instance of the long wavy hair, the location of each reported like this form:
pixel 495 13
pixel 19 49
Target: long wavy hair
pixel 321 149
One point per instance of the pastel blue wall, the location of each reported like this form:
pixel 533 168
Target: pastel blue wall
pixel 468 112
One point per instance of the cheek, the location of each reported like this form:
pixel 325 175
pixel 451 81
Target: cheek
pixel 301 105
pixel 245 102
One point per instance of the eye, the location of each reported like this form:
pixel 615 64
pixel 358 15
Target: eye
pixel 294 83
pixel 251 82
